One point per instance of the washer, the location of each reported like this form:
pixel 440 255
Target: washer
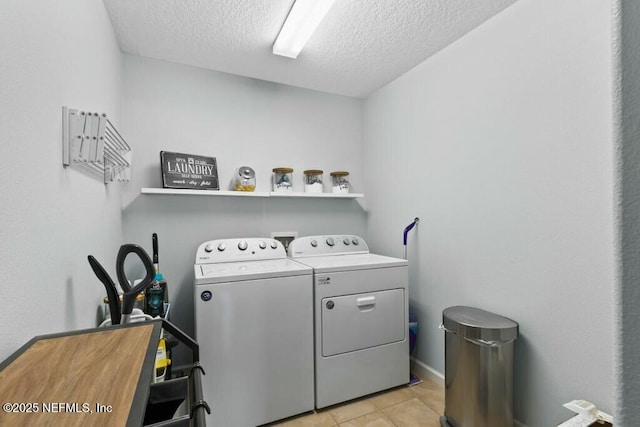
pixel 254 325
pixel 361 307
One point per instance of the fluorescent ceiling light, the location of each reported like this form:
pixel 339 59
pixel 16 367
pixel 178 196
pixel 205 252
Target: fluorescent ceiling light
pixel 303 19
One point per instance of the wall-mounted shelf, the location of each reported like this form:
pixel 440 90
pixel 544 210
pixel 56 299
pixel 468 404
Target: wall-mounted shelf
pixel 319 195
pixel 171 191
pixel 183 192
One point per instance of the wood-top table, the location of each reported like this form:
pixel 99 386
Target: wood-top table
pixel 93 377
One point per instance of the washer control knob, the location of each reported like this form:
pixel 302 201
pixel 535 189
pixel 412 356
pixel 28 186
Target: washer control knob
pixel 330 241
pixel 274 245
pixel 346 242
pixel 355 241
pixel 263 245
pixel 242 245
pixel 330 305
pixel 314 243
pixel 208 248
pixel 222 247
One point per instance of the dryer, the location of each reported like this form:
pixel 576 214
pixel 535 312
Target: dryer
pixel 254 325
pixel 361 307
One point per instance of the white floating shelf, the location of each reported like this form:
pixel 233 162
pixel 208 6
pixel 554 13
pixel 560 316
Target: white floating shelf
pixel 178 191
pixel 319 195
pixel 175 191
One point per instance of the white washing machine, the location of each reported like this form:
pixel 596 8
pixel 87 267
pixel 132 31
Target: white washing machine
pixel 361 307
pixel 254 325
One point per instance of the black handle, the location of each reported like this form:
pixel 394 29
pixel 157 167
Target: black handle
pixel 182 337
pixel 154 239
pixel 112 291
pixel 130 292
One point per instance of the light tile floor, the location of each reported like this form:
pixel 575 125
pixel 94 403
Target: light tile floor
pixel 419 405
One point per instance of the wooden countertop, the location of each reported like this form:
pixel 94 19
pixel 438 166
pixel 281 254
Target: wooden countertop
pixel 85 378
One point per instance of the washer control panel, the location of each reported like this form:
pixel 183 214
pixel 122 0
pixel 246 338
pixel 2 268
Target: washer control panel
pixel 242 249
pixel 327 245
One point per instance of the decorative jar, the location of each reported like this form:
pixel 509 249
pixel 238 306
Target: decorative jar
pixel 245 179
pixel 313 181
pixel 340 182
pixel 282 180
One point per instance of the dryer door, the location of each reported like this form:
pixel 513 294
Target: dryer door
pixel 355 322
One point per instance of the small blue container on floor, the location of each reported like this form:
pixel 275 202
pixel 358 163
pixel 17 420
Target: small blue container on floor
pixel 413 339
pixel 413 332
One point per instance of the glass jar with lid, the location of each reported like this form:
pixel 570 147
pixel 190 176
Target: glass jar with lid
pixel 313 181
pixel 282 180
pixel 245 179
pixel 339 182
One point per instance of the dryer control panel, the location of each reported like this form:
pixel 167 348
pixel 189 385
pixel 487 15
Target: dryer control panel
pixel 341 244
pixel 240 249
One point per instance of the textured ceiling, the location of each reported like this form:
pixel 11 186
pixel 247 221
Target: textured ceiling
pixel 360 46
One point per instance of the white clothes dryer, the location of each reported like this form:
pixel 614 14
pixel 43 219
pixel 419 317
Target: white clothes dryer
pixel 254 325
pixel 361 307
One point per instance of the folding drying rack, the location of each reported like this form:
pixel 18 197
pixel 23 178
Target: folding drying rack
pixel 91 142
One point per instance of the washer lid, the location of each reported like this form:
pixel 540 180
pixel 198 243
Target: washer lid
pixel 248 270
pixel 331 263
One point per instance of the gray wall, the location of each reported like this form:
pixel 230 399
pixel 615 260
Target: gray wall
pixel 53 54
pixel 502 144
pixel 240 121
pixel 628 140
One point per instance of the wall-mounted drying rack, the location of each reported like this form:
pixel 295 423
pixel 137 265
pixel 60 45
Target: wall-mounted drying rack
pixel 91 142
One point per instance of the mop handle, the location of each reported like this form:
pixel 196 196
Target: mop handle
pixel 408 228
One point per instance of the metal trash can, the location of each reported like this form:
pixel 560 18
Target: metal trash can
pixel 478 368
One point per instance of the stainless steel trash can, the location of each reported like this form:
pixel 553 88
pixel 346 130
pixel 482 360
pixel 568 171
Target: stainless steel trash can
pixel 478 368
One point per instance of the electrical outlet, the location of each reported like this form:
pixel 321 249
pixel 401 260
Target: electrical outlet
pixel 284 237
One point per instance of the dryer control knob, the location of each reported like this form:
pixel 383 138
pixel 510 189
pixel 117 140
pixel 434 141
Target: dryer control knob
pixel 314 243
pixel 208 248
pixel 274 245
pixel 355 242
pixel 263 245
pixel 330 241
pixel 222 247
pixel 242 245
pixel 346 242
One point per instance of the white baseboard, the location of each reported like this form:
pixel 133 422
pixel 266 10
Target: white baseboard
pixel 425 371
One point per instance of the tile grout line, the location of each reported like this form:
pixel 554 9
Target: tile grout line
pixel 426 398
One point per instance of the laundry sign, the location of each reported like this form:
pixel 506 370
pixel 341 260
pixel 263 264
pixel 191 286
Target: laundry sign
pixel 190 171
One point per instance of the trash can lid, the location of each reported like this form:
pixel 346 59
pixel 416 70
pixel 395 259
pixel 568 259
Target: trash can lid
pixel 476 324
